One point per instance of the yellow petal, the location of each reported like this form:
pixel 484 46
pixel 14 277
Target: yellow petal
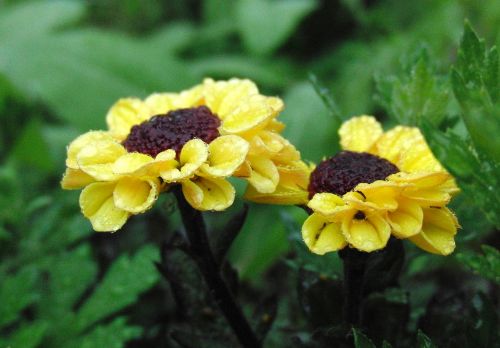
pixel 223 97
pixel 325 203
pixel 407 220
pixel 322 236
pixel 275 126
pixel 75 179
pixel 125 114
pixel 369 234
pixel 208 193
pixel 251 114
pixel 131 162
pixel 380 195
pixel 193 154
pixel 135 195
pixel 226 154
pixel 97 204
pixel 359 133
pixel 82 141
pixel 421 179
pixel 438 231
pixel 282 195
pixel 294 174
pixel 97 158
pixel 406 147
pixel 264 176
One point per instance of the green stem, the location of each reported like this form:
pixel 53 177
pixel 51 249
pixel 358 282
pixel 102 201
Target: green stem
pixel 203 256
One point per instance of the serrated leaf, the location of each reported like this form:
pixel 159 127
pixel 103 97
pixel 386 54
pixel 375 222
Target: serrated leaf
pixel 415 96
pixel 486 265
pixel 265 25
pixel 16 293
pixel 361 341
pixel 476 85
pixel 125 280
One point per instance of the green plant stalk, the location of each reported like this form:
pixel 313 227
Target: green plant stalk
pixel 204 258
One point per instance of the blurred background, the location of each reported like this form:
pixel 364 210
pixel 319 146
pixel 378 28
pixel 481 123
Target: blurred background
pixel 64 63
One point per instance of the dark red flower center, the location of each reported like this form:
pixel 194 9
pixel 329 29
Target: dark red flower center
pixel 342 172
pixel 172 131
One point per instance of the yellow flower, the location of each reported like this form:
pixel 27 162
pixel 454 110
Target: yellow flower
pixel 382 184
pixel 197 139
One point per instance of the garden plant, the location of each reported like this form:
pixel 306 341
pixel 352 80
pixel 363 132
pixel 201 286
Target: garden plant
pixel 249 173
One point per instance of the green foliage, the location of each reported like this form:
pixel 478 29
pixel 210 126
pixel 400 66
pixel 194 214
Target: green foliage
pixel 486 264
pixel 361 341
pixel 265 24
pixel 418 96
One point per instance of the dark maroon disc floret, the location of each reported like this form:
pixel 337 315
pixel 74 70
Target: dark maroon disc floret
pixel 342 172
pixel 172 131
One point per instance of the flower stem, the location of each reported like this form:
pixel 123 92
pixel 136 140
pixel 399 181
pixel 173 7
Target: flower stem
pixel 354 271
pixel 203 256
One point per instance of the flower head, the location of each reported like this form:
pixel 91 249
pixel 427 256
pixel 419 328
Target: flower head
pixel 197 139
pixel 382 184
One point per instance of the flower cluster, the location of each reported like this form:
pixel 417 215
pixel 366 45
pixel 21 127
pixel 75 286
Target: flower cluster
pixel 197 139
pixel 383 184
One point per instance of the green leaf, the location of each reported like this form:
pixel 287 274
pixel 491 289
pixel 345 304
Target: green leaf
pixel 125 280
pixel 31 148
pixel 113 335
pixel 423 341
pixel 476 84
pixel 69 275
pixel 17 292
pixel 28 335
pixel 259 243
pixel 37 18
pixel 103 67
pixel 486 265
pixel 304 112
pixel 361 341
pixel 264 24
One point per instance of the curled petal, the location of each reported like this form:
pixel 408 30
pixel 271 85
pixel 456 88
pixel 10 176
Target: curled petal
pixel 208 193
pixel 193 154
pixel 380 195
pixel 97 158
pixel 135 195
pixel 125 114
pixel 264 176
pixel 226 154
pixel 75 179
pixel 223 97
pixel 322 236
pixel 82 141
pixel 325 203
pixel 252 114
pixel 282 195
pixel 438 231
pixel 369 234
pixel 97 204
pixel 359 133
pixel 131 162
pixel 407 220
